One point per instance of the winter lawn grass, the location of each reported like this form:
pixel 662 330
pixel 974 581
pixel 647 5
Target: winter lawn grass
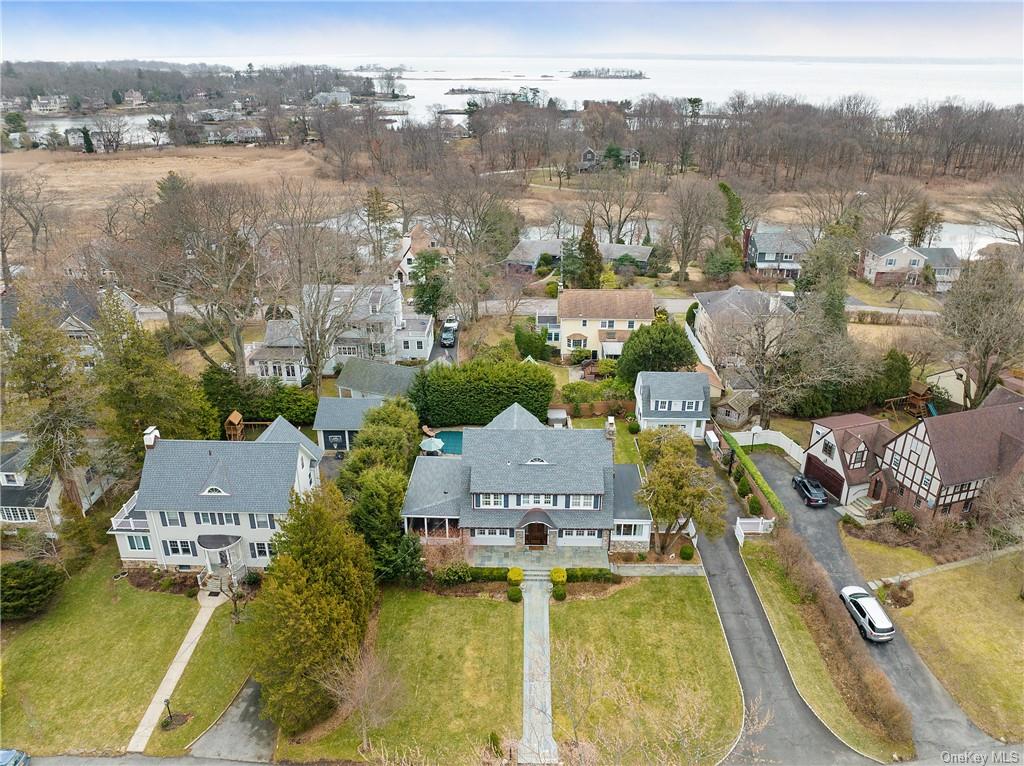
pixel 460 661
pixel 625 444
pixel 968 626
pixel 215 673
pixel 876 560
pixel 810 674
pixel 879 297
pixel 664 637
pixel 79 677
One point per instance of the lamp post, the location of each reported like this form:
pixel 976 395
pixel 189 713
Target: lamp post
pixel 167 705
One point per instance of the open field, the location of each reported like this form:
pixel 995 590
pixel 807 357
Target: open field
pixel 215 673
pixel 810 674
pixel 875 560
pixel 968 626
pixel 460 661
pixel 79 678
pixel 663 639
pixel 881 337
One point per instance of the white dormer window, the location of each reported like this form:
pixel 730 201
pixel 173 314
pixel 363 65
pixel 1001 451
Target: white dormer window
pixel 214 491
pixel 691 406
pixel 768 256
pixel 491 500
pixel 859 457
pixel 661 405
pixel 11 479
pixel 787 257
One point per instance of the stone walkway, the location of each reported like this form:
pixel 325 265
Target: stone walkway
pixel 155 711
pixel 989 556
pixel 658 570
pixel 552 556
pixel 538 743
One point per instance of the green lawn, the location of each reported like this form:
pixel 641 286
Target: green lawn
pixel 461 663
pixel 215 673
pixel 810 674
pixel 560 372
pixel 980 660
pixel 875 560
pixel 625 446
pixel 662 638
pixel 878 296
pixel 795 428
pixel 79 678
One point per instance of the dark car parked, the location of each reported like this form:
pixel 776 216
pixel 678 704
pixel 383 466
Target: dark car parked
pixel 810 490
pixel 448 338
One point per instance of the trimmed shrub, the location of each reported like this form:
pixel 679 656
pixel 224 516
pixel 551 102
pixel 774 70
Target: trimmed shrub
pixel 691 314
pixel 515 576
pixel 759 480
pixel 737 471
pixel 531 341
pixel 591 574
pixel 515 594
pixel 558 576
pixel 633 427
pixel 743 486
pixel 192 592
pixel 551 289
pixel 453 574
pixel 686 552
pixel 606 367
pixel 904 521
pixel 754 505
pixel 558 591
pixel 542 271
pixel 489 574
pixel 26 588
pixel 253 579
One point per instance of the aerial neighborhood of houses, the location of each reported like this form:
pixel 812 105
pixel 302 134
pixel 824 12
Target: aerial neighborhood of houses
pixel 434 446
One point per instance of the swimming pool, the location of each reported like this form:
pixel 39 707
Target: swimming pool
pixel 452 442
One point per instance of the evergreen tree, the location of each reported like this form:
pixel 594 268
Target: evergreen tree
pixel 87 141
pixel 26 588
pixel 733 216
pixel 430 283
pixel 140 387
pixel 823 275
pixel 662 346
pixel 377 512
pixel 571 264
pixel 378 218
pixel 15 122
pixel 313 609
pixel 590 259
pixel 925 224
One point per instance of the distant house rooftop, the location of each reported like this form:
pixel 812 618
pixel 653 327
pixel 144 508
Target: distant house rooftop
pixel 379 378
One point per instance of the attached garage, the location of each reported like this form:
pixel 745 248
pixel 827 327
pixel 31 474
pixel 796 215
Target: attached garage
pixel 831 480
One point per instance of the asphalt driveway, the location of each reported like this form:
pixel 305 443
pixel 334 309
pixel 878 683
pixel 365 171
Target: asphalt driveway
pixel 793 734
pixel 939 723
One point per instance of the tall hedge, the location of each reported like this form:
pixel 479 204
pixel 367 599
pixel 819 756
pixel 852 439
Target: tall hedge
pixel 257 399
pixel 473 393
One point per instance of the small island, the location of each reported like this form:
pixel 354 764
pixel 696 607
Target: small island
pixel 606 73
pixel 467 91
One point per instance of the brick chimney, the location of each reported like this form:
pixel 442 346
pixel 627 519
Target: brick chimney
pixel 150 437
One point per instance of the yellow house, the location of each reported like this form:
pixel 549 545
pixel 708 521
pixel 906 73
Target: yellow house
pixel 600 321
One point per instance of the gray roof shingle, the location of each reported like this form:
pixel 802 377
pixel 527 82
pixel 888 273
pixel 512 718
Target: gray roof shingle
pixel 336 413
pixel 940 257
pixel 777 242
pixel 883 244
pixel 380 378
pixel 515 416
pixel 627 482
pixel 528 251
pixel 281 431
pixel 675 386
pixel 738 299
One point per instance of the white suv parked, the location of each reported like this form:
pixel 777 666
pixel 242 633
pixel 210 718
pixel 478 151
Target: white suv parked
pixel 872 621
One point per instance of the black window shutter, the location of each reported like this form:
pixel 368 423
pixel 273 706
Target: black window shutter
pixel 163 522
pixel 167 551
pixel 181 517
pixel 252 549
pixel 192 547
pixel 197 518
pixel 252 521
pixel 272 524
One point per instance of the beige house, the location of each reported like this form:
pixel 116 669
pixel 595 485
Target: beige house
pixel 599 321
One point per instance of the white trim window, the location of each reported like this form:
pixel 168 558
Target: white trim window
pixel 179 547
pixel 262 520
pixel 787 257
pixel 630 324
pixel 11 480
pixel 581 501
pixel 348 351
pixel 895 461
pixel 915 262
pixel 261 550
pixel 289 370
pixel 607 324
pixel 691 406
pixel 661 405
pixel 264 370
pixel 138 542
pixel 492 500
pixel 768 257
pixel 890 261
pixel 629 530
pixel 17 513
pixel 546 501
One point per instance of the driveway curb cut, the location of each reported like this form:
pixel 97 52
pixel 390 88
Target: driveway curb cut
pixel 796 686
pixel 220 715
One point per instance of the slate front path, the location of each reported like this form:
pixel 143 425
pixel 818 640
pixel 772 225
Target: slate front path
pixel 939 723
pixel 793 734
pixel 538 743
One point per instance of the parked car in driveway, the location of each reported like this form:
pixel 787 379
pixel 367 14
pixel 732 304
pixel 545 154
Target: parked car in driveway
pixel 451 323
pixel 872 621
pixel 14 758
pixel 810 490
pixel 448 338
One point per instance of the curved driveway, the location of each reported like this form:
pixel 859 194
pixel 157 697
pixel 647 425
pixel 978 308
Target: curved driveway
pixel 939 723
pixel 793 734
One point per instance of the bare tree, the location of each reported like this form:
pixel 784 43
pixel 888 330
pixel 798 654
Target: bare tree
pixel 35 203
pixel 890 203
pixel 827 203
pixel 1001 508
pixel 511 289
pixel 11 221
pixel 694 207
pixel 581 684
pixel 1004 210
pixel 369 692
pixel 113 129
pixel 616 199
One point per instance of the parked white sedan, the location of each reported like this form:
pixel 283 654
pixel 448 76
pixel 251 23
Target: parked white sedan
pixel 872 621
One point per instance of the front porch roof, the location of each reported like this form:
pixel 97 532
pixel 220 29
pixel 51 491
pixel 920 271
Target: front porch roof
pixel 536 516
pixel 216 542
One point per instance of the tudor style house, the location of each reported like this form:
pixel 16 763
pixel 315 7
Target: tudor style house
pixel 844 452
pixel 680 399
pixel 376 327
pixel 938 467
pixel 775 253
pixel 887 261
pixel 598 321
pixel 520 483
pixel 211 507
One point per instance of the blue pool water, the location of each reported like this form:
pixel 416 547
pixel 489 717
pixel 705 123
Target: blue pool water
pixel 452 442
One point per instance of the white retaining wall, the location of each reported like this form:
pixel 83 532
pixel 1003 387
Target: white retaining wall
pixel 775 438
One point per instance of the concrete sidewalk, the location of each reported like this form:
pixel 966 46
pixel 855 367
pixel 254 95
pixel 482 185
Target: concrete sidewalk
pixel 155 711
pixel 538 743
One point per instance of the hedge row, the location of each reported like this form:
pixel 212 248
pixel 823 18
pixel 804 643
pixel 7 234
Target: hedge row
pixel 473 393
pixel 752 471
pixel 591 574
pixel 256 398
pixel 489 574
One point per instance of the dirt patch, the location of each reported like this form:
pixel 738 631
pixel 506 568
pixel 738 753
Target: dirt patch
pixel 495 590
pixel 671 556
pixel 899 595
pixel 176 720
pixel 159 581
pixel 591 591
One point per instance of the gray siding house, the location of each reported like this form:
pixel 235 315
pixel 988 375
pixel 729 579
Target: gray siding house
pixel 338 420
pixel 681 399
pixel 775 254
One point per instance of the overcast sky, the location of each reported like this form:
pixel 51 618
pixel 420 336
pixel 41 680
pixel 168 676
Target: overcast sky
pixel 268 32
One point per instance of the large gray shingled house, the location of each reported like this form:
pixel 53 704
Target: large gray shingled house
pixel 520 483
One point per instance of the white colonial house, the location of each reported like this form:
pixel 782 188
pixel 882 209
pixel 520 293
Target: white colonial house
pixel 681 399
pixel 212 507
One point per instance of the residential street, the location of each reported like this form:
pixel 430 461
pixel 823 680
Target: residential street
pixel 794 735
pixel 939 723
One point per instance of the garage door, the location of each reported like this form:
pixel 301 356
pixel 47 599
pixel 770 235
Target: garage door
pixel 830 479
